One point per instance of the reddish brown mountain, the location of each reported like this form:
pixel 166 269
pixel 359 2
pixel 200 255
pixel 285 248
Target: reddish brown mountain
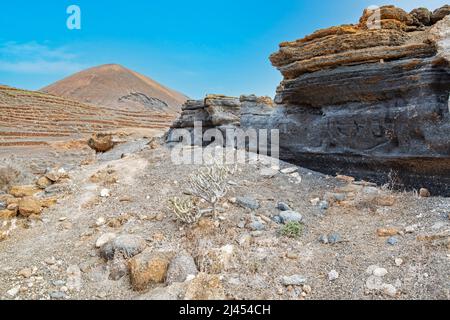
pixel 119 88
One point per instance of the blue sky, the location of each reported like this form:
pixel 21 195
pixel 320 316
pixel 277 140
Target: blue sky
pixel 195 47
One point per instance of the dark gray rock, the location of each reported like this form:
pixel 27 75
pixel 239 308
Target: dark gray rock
pixel 290 216
pixel 256 225
pixel 392 241
pixel 334 238
pixel 182 266
pixel 248 202
pixel 126 246
pixel 283 206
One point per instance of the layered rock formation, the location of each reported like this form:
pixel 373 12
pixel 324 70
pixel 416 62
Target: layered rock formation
pixel 369 100
pixel 222 112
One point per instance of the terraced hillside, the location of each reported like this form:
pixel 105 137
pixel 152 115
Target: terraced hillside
pixel 29 118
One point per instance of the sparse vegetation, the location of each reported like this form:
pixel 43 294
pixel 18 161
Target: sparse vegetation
pixel 209 184
pixel 292 230
pixel 8 175
pixel 185 210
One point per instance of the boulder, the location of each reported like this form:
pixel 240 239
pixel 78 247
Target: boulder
pixel 29 206
pixel 126 246
pixel 205 287
pixel 23 191
pixel 147 268
pixel 422 15
pixel 182 266
pixel 440 13
pixel 101 142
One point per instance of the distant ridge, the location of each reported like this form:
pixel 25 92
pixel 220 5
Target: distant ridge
pixel 117 87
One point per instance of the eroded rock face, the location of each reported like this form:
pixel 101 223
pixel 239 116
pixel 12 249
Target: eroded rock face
pixel 366 101
pixel 362 100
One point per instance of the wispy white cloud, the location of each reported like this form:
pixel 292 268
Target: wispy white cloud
pixel 36 58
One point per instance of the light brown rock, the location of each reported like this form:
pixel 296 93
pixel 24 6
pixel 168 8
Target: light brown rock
pixel 101 142
pixel 23 191
pixel 7 214
pixel 43 182
pixel 29 206
pixel 387 232
pixel 147 268
pixel 205 287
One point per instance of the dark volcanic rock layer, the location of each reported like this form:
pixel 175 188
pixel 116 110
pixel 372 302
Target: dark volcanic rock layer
pixel 368 102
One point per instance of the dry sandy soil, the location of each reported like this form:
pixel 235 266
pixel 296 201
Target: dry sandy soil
pixel 40 258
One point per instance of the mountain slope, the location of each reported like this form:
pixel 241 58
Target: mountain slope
pixel 117 87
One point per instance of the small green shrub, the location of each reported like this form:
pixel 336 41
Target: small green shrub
pixel 292 230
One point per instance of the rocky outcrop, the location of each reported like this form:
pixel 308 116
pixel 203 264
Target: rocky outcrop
pixel 367 101
pixel 222 112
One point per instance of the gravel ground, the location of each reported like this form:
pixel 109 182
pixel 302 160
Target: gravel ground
pixel 35 258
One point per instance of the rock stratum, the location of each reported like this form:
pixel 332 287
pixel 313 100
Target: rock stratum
pixel 369 100
pixel 117 87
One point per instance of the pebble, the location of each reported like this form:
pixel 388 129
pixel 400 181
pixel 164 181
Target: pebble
pixel 104 239
pixel 389 290
pixel 245 240
pixel 268 172
pixel 256 226
pixel 290 216
pixel 292 256
pixel 380 272
pixel 2 205
pixel 307 289
pixel 59 283
pixel 247 202
pixel 333 275
pixel 371 268
pixel 392 241
pixel 50 261
pixel 105 193
pixel 283 206
pixel 100 222
pixel 324 205
pixel 57 295
pixel 289 170
pixel 294 280
pixel 277 219
pixel 26 272
pixel 323 239
pixel 374 283
pixel 73 278
pixel 14 291
pixel 410 229
pixel 398 262
pixel 334 238
pixel 424 193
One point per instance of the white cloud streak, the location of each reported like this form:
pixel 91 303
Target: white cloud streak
pixel 36 58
